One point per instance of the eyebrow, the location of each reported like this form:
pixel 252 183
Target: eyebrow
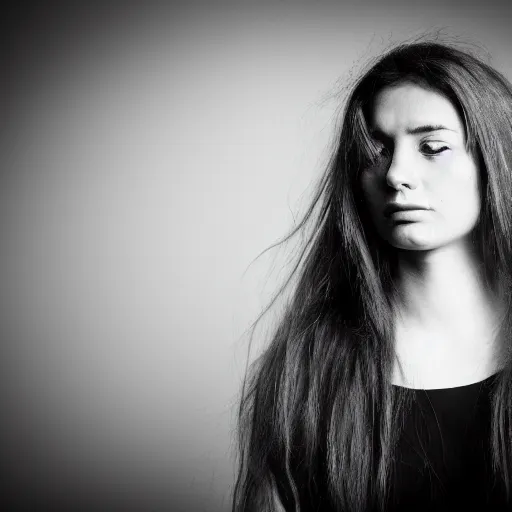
pixel 427 128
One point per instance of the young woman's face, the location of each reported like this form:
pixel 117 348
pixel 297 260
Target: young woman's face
pixel 423 166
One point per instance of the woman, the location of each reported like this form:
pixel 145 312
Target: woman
pixel 387 384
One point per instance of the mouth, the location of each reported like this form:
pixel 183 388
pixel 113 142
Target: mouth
pixel 407 216
pixel 396 209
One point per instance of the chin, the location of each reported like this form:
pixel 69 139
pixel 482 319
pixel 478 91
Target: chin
pixel 411 239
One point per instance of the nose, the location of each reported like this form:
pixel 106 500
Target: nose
pixel 401 171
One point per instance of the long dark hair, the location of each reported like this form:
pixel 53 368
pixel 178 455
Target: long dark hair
pixel 318 417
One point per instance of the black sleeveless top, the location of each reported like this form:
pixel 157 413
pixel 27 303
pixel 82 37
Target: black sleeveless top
pixel 443 457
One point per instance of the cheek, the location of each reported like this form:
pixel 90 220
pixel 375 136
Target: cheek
pixel 370 190
pixel 458 193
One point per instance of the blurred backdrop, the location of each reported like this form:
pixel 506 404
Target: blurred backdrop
pixel 150 151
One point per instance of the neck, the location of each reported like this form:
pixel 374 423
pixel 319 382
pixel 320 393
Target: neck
pixel 444 289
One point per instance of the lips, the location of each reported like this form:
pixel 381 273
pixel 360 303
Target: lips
pixel 391 208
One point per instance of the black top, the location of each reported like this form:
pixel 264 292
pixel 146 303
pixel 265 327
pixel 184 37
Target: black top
pixel 443 457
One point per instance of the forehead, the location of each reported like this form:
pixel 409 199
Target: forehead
pixel 406 106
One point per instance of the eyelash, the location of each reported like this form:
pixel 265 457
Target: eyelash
pixel 384 150
pixel 434 152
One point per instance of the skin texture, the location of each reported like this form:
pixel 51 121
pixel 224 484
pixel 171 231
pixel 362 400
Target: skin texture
pixel 432 169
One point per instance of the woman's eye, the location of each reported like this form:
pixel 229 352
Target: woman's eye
pixel 433 148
